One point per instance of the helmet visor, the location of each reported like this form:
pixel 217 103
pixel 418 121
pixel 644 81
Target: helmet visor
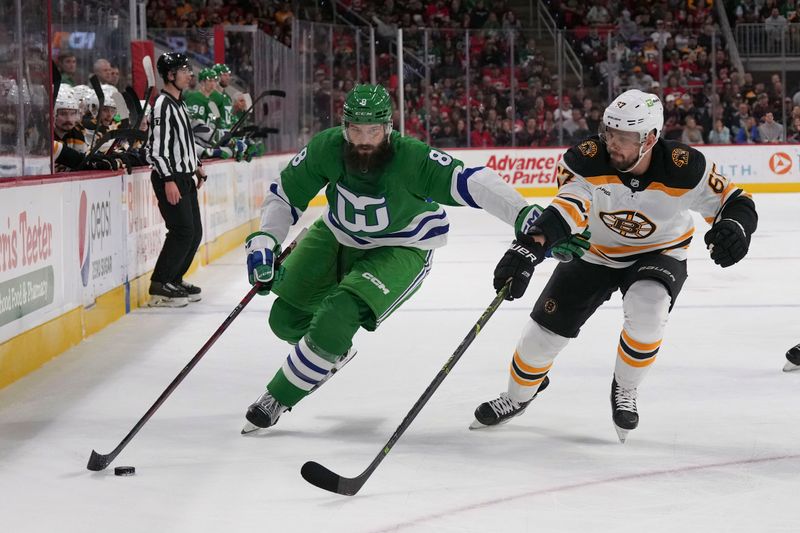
pixel 622 139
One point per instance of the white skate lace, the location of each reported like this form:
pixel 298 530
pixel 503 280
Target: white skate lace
pixel 625 399
pixel 503 405
pixel 271 406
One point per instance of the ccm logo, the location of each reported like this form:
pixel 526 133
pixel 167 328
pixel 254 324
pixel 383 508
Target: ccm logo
pixel 375 281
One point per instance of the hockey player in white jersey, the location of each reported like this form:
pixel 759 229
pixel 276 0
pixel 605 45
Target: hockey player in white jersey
pixel 634 192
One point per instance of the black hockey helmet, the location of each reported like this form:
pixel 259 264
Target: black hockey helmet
pixel 170 62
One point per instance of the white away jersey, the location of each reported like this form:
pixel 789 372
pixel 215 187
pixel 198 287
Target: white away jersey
pixel 633 215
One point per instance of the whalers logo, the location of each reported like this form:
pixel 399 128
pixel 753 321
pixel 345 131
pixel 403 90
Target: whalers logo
pixel 630 224
pixel 361 213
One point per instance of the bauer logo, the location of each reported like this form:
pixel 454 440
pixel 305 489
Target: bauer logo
pixel 84 239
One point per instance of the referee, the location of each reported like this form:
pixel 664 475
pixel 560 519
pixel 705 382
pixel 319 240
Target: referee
pixel 171 153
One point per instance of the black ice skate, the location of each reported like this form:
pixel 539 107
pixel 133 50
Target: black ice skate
pixel 167 295
pixel 623 408
pixel 792 359
pixel 264 413
pixel 502 409
pixel 193 291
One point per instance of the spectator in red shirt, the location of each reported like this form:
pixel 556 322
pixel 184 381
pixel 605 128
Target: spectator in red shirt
pixel 479 137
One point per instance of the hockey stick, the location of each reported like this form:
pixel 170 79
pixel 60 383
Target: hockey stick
pixel 230 134
pixel 135 116
pixel 133 105
pixel 126 134
pixel 98 461
pixel 147 65
pixel 320 476
pixel 98 91
pixel 56 82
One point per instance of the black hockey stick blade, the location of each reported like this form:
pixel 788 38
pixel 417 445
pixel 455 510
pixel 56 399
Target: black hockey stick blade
pixel 324 478
pixel 320 476
pixel 275 92
pixel 99 461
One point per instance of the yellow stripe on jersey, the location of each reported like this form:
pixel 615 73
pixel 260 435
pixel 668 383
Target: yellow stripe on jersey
pixel 571 211
pixel 604 180
pixel 627 250
pixel 672 191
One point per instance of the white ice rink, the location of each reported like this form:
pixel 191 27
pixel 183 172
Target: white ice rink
pixel 718 447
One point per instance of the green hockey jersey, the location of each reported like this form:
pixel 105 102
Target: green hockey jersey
pixel 225 106
pixel 197 104
pixel 400 206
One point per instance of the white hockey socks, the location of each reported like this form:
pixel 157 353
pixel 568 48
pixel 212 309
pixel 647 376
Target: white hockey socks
pixel 536 350
pixel 646 308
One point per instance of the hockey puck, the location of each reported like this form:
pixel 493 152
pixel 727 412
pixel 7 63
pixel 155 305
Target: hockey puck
pixel 124 471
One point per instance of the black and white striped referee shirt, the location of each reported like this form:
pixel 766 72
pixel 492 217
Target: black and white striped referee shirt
pixel 171 150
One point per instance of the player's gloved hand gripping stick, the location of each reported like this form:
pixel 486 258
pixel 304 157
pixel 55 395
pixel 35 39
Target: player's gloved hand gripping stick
pixel 99 461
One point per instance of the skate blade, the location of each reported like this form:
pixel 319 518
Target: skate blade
pixel 622 433
pixel 249 428
pixel 790 367
pixel 477 425
pixel 163 301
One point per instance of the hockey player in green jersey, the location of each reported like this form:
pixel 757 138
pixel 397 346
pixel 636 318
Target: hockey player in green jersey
pixel 198 101
pixel 370 250
pixel 221 98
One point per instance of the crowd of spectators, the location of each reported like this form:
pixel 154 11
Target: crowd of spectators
pixel 669 47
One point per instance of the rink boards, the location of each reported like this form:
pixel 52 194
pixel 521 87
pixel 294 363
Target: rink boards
pixel 76 251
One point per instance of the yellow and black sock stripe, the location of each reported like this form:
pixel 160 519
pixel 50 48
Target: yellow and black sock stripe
pixel 526 375
pixel 635 353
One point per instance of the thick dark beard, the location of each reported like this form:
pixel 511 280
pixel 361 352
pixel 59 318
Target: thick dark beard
pixel 367 163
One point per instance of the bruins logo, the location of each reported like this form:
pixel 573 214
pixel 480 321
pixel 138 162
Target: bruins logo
pixel 680 157
pixel 588 148
pixel 550 306
pixel 630 224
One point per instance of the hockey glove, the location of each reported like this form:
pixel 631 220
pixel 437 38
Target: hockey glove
pixel 525 220
pixel 518 264
pixel 262 249
pixel 575 246
pixel 728 242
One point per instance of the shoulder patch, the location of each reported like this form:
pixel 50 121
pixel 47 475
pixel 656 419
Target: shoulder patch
pixel 589 148
pixel 680 157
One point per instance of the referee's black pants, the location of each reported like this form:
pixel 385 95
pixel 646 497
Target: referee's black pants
pixel 184 230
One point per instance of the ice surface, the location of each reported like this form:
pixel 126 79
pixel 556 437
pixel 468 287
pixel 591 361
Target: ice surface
pixel 716 450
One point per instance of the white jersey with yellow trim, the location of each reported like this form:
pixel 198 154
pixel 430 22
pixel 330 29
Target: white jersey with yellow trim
pixel 632 215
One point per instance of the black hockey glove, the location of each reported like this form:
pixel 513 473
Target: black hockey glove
pixel 518 264
pixel 728 242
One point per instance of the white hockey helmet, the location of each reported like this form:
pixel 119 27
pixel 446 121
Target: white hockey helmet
pixel 66 99
pixel 108 95
pixel 87 99
pixel 635 111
